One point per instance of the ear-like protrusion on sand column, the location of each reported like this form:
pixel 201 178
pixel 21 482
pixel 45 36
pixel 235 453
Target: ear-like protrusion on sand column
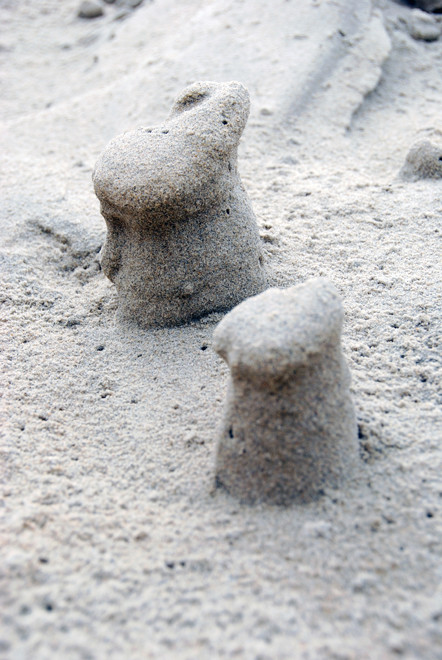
pixel 182 238
pixel 289 428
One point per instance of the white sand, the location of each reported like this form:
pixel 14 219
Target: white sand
pixel 114 542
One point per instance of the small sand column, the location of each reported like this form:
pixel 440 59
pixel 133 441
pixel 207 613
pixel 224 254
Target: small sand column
pixel 289 427
pixel 182 238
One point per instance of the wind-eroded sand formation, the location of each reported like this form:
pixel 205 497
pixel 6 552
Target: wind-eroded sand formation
pixel 115 542
pixel 289 427
pixel 182 238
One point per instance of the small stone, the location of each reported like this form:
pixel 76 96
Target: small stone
pixel 182 237
pixel 90 9
pixel 133 4
pixel 364 582
pixel 423 26
pixel 434 6
pixel 424 161
pixel 289 428
pixel 141 536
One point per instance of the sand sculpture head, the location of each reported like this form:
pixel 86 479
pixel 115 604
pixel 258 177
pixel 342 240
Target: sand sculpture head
pixel 289 426
pixel 423 161
pixel 182 238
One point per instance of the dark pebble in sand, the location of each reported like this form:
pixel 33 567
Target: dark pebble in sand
pixel 434 6
pixel 90 9
pixel 423 26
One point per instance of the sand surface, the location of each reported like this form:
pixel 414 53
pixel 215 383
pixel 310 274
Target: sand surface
pixel 115 543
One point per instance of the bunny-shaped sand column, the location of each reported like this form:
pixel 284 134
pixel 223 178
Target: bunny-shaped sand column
pixel 182 237
pixel 289 427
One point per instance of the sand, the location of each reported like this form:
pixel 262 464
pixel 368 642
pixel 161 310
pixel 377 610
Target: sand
pixel 115 543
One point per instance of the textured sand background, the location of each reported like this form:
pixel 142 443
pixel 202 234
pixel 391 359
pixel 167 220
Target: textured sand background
pixel 114 542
